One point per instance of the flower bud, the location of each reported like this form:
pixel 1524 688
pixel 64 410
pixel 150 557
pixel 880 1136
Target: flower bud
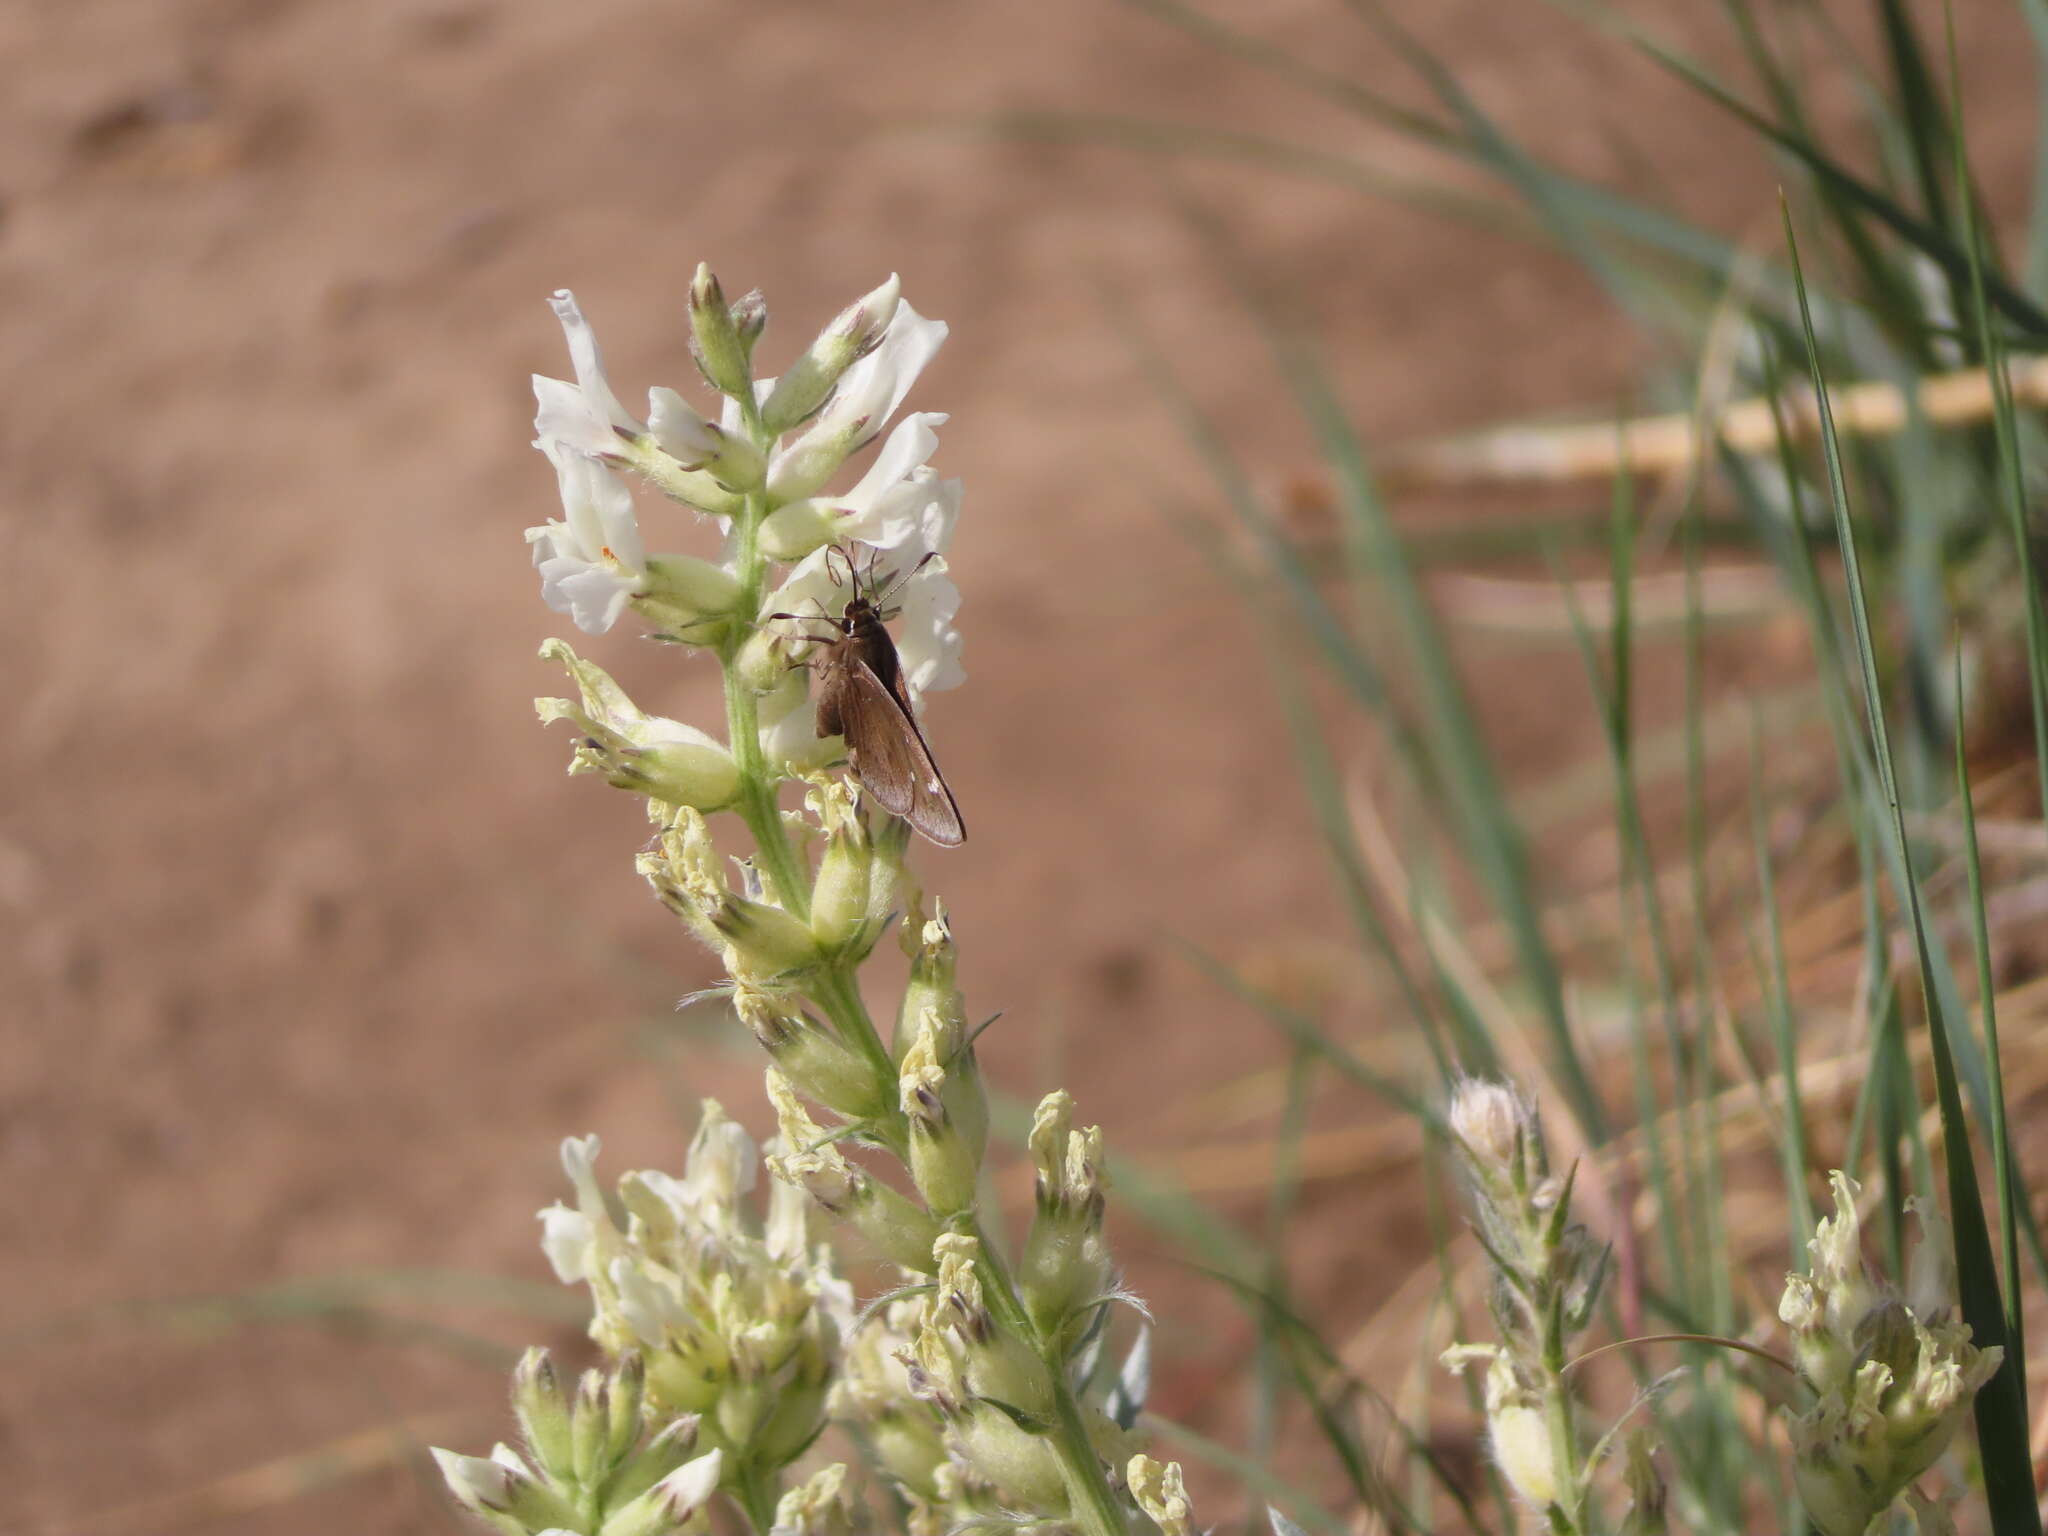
pixel 1022 1466
pixel 999 1365
pixel 672 1505
pixel 695 443
pixel 662 759
pixel 1159 1491
pixel 841 904
pixel 809 1055
pixel 504 1491
pixel 944 1165
pixel 750 317
pixel 795 530
pixel 897 1229
pixel 764 940
pixel 688 601
pixel 692 488
pixel 1495 1127
pixel 1065 1266
pixel 591 1429
pixel 542 1411
pixel 723 353
pixel 684 870
pixel 806 384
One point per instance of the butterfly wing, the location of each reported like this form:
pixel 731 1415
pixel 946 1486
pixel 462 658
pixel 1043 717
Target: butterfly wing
pixel 889 755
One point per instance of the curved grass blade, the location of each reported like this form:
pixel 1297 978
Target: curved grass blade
pixel 2001 1407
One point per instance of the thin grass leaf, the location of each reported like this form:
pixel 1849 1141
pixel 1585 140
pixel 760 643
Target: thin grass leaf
pixel 1929 241
pixel 2011 1197
pixel 2001 1406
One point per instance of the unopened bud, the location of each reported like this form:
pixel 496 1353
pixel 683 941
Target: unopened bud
pixel 764 940
pixel 841 908
pixel 715 340
pixel 807 383
pixel 897 1229
pixel 695 443
pixel 1065 1267
pixel 750 317
pixel 662 759
pixel 1022 1466
pixel 591 1429
pixel 1495 1126
pixel 504 1491
pixel 943 1164
pixel 543 1412
pixel 671 1505
pixel 821 1066
pixel 688 601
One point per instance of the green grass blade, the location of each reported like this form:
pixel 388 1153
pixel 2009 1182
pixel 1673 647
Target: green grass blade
pixel 1916 232
pixel 2001 1407
pixel 2010 1197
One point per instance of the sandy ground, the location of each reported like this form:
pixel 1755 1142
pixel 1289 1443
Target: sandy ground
pixel 311 952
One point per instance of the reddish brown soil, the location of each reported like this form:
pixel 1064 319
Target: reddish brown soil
pixel 312 951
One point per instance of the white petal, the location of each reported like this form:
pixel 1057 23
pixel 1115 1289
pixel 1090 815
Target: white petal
pixel 589 365
pixel 928 644
pixel 567 1238
pixel 598 506
pixel 913 442
pixel 579 1161
pixel 722 1163
pixel 809 588
pixel 791 736
pixel 876 385
pixel 687 1489
pixel 683 434
pixel 648 1301
pixel 565 416
pixel 592 595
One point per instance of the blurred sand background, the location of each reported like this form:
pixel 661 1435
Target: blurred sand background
pixel 312 953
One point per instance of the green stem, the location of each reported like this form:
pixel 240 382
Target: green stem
pixel 1096 1508
pixel 757 805
pixel 754 1491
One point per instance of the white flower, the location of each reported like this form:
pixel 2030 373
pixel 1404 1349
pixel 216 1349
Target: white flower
pixel 574 1240
pixel 663 759
pixel 867 396
pixel 928 644
pixel 585 415
pixel 889 508
pixel 592 562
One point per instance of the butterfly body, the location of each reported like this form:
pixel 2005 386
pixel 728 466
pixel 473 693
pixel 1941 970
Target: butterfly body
pixel 862 697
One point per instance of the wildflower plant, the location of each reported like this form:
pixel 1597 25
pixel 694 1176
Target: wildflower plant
pixel 973 1388
pixel 1547 1274
pixel 1892 1376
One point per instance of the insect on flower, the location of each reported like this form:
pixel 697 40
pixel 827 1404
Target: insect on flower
pixel 862 696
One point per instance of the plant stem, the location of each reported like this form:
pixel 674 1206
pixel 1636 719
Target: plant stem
pixel 755 1495
pixel 757 805
pixel 1096 1508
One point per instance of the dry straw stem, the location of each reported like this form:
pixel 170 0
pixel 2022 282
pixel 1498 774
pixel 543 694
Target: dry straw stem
pixel 1672 444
